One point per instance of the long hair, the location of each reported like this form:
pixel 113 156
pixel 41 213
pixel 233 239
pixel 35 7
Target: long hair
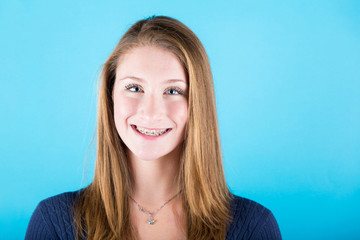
pixel 102 209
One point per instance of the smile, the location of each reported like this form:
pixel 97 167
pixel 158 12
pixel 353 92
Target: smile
pixel 151 132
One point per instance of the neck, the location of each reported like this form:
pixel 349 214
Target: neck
pixel 155 181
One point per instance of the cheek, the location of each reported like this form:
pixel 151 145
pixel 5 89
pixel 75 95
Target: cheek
pixel 178 112
pixel 124 107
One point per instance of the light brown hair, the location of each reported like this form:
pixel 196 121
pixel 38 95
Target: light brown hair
pixel 102 210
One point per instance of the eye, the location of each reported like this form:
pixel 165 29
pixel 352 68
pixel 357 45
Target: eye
pixel 174 91
pixel 133 88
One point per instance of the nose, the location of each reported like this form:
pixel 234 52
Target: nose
pixel 152 108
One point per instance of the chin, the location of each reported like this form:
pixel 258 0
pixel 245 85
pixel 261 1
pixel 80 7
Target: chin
pixel 154 153
pixel 148 155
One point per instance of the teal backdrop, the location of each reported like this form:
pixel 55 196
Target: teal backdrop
pixel 287 82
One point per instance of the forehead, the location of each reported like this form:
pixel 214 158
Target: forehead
pixel 150 62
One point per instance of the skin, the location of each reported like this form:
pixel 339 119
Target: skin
pixel 150 92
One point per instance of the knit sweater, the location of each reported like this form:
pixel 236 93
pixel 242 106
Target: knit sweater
pixel 52 219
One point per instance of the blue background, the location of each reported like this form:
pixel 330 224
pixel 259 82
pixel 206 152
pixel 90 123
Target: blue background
pixel 287 79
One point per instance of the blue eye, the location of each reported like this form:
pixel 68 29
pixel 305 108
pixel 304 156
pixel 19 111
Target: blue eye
pixel 133 88
pixel 174 91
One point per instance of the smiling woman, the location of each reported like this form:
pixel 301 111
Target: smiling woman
pixel 159 171
pixel 150 110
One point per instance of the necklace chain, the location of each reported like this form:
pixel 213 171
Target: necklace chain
pixel 151 221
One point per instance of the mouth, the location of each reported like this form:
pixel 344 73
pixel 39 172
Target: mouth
pixel 151 132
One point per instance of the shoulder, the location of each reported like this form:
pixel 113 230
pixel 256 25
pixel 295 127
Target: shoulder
pixel 58 202
pixel 251 220
pixel 52 218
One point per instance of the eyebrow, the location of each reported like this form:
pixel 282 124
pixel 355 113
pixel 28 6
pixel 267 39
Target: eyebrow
pixel 141 80
pixel 131 77
pixel 175 80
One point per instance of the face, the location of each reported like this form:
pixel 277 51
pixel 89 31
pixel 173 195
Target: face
pixel 150 103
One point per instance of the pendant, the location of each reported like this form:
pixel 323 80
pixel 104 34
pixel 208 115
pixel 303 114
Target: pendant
pixel 151 221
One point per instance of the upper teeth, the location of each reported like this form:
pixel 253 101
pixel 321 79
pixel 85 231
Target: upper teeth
pixel 151 132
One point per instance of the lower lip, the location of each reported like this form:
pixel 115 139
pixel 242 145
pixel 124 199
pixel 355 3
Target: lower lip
pixel 148 137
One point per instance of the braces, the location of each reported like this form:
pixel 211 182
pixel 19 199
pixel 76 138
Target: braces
pixel 151 132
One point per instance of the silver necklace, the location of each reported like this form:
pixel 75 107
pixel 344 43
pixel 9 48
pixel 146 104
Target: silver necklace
pixel 151 221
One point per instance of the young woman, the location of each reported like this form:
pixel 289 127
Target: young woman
pixel 159 172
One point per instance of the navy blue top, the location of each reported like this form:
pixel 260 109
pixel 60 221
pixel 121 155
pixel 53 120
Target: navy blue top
pixel 52 219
